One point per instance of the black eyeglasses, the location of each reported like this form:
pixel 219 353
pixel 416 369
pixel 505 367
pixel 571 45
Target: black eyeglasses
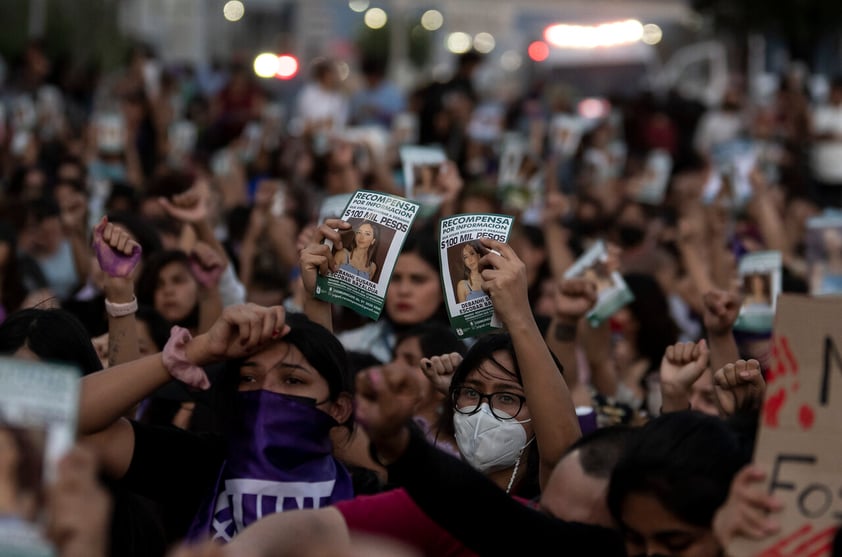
pixel 504 406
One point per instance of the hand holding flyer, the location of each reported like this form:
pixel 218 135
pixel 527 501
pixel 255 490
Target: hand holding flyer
pixel 612 291
pixel 365 255
pixel 760 273
pixel 465 256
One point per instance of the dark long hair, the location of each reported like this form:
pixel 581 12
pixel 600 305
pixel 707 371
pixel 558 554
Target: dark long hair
pixel 52 335
pixel 13 291
pixel 372 249
pixel 147 283
pixel 686 460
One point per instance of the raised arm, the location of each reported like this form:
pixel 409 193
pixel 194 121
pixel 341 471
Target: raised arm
pixel 318 259
pixel 551 406
pixel 437 481
pixel 574 298
pixel 721 309
pixel 118 256
pixel 108 395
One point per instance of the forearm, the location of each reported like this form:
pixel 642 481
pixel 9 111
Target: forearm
pixel 319 312
pixel 109 394
pixel 247 253
pixel 550 404
pixel 597 346
pixel 210 308
pixel 723 350
pixel 561 338
pixel 693 261
pixel 122 331
pixel 560 256
pixel 204 233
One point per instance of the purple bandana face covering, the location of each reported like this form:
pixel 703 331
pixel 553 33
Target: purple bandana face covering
pixel 279 458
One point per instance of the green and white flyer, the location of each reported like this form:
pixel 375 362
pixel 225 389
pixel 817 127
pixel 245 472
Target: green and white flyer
pixel 760 273
pixel 468 306
pixel 612 291
pixel 369 251
pixel 39 405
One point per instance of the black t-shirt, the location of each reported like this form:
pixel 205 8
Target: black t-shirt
pixel 176 470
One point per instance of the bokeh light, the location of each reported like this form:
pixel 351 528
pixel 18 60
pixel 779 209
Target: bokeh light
pixel 233 10
pixel 432 20
pixel 358 5
pixel 613 33
pixel 459 42
pixel 511 60
pixel 538 51
pixel 287 66
pixel 265 64
pixel 376 18
pixel 652 34
pixel 484 42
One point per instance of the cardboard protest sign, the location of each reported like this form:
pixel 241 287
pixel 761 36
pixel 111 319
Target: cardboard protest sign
pixel 468 306
pixel 369 251
pixel 760 273
pixel 824 254
pixel 801 428
pixel 612 291
pixel 38 411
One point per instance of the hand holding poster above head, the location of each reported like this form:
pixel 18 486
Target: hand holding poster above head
pixel 421 168
pixel 463 257
pixel 38 412
pixel 612 291
pixel 760 273
pixel 824 254
pixel 363 262
pixel 798 440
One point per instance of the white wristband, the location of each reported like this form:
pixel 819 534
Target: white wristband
pixel 121 310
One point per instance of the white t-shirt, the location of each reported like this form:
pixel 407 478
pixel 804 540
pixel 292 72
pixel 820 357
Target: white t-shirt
pixel 316 104
pixel 827 154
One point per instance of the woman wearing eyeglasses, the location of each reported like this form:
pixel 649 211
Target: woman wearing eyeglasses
pixel 509 410
pixel 359 258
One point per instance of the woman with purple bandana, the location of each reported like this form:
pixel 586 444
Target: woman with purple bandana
pixel 288 386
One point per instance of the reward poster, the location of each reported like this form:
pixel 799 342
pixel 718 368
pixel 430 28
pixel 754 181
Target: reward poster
pixel 468 306
pixel 380 223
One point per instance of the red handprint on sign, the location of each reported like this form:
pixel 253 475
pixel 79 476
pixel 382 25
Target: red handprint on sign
pixel 782 379
pixel 804 542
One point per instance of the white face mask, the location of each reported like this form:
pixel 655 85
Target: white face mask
pixel 486 443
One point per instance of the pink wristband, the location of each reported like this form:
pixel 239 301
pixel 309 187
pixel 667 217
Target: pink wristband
pixel 177 364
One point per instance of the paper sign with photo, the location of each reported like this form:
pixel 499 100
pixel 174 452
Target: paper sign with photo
pixel 566 133
pixel 655 178
pixel 38 410
pixel 520 179
pixel 421 166
pixel 486 125
pixel 800 427
pixel 760 275
pixel 468 306
pixel 729 181
pixel 824 254
pixel 110 133
pixel 612 291
pixel 369 251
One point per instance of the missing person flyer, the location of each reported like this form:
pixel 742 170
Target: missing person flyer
pixel 824 254
pixel 760 274
pixel 421 167
pixel 369 251
pixel 468 306
pixel 612 291
pixel 38 408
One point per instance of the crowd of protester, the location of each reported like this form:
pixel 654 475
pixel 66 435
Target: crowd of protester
pixel 159 229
